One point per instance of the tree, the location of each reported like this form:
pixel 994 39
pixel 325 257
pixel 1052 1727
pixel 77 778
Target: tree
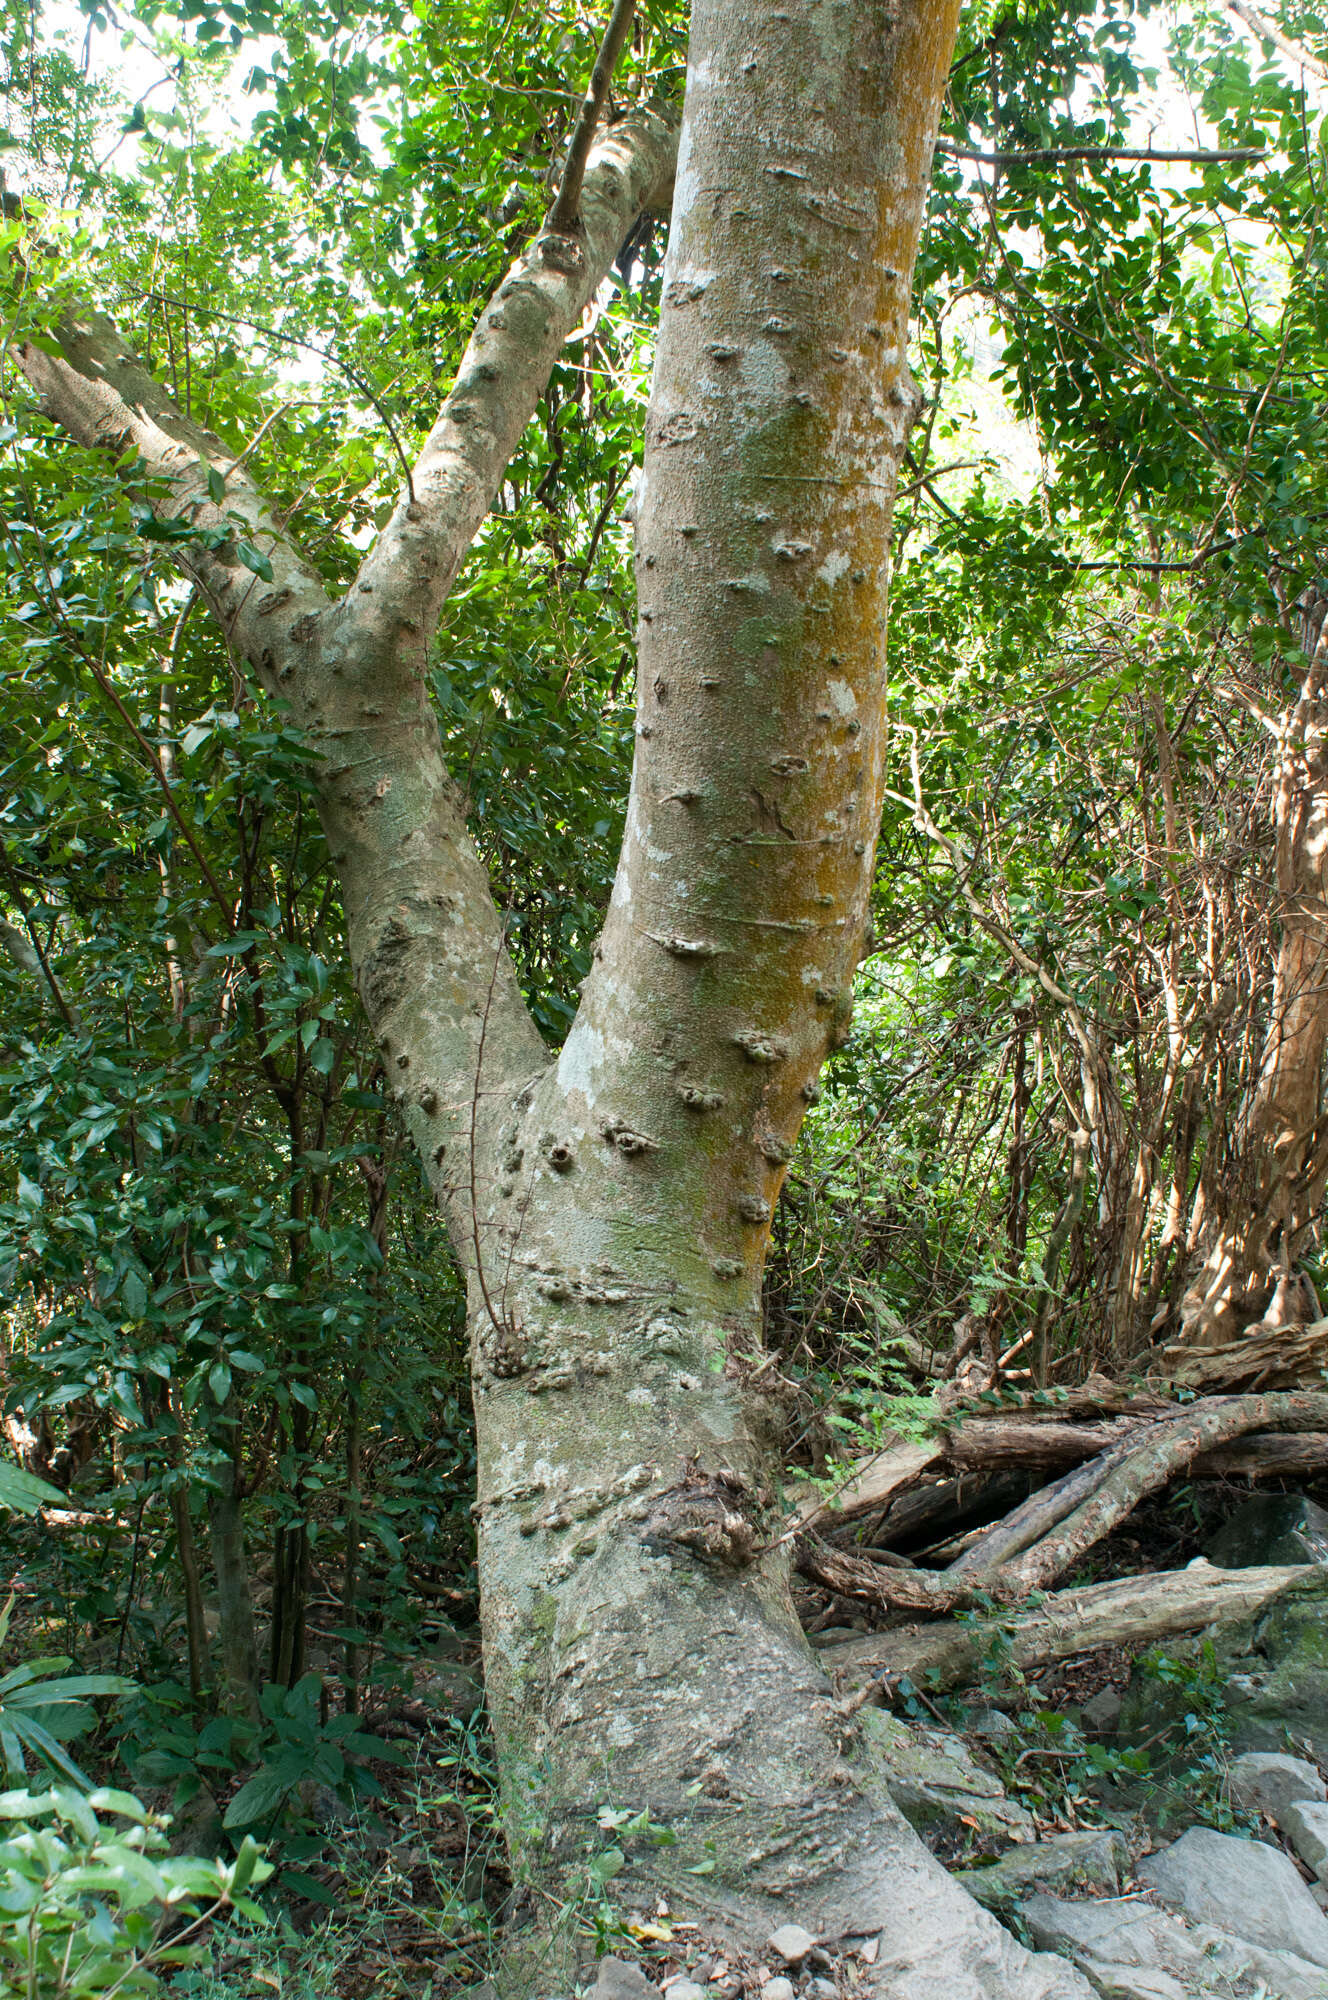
pixel 612 1210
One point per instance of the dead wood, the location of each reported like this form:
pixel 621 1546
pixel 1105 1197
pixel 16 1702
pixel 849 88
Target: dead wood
pixel 982 1443
pixel 941 1509
pixel 1266 1455
pixel 898 1466
pixel 1165 1448
pixel 1263 1356
pixel 1039 1513
pixel 1036 1544
pixel 878 1584
pixel 991 1442
pixel 1129 1610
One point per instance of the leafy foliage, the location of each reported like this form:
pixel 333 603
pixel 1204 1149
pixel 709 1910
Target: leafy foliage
pixel 91 1907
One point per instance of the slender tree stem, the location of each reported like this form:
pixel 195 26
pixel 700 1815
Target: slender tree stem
pixel 565 215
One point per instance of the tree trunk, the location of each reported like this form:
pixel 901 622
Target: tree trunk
pixel 642 1653
pixel 1260 1198
pixel 236 1632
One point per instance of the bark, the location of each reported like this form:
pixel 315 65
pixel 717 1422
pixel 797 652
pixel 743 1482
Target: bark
pixel 613 1212
pixel 424 935
pixel 1050 1531
pixel 196 1638
pixel 1127 1611
pixel 888 1483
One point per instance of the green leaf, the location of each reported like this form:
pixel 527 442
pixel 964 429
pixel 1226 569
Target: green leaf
pixel 255 560
pixel 23 1493
pixel 259 1798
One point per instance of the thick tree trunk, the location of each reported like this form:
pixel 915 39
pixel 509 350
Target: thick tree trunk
pixel 1258 1202
pixel 642 1653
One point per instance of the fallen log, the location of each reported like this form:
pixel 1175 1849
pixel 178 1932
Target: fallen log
pixel 1032 1549
pixel 1038 1514
pixel 876 1583
pixel 1263 1356
pixel 895 1468
pixel 1127 1611
pixel 939 1508
pixel 997 1443
pixel 1265 1455
pixel 1164 1448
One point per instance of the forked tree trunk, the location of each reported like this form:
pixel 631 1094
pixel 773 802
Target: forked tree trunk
pixel 641 1647
pixel 612 1211
pixel 1259 1200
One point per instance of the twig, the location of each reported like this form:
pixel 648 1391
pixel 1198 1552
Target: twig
pixel 1038 154
pixel 565 215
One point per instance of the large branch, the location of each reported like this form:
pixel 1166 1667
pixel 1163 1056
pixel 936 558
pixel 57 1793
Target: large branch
pixel 425 936
pixel 404 580
pixel 1047 1534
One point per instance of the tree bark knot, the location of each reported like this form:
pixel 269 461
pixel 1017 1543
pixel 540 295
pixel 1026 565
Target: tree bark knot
pixel 706 1515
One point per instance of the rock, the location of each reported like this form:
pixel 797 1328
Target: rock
pixel 1101 1712
pixel 1266 1781
pixel 791 1943
pixel 1271 1528
pixel 1305 1824
pixel 1213 1878
pixel 684 1989
pixel 778 1989
pixel 619 1979
pixel 992 1723
pixel 823 1989
pixel 1133 1982
pixel 1091 1860
pixel 1130 1935
pixel 940 1787
pixel 1271 1672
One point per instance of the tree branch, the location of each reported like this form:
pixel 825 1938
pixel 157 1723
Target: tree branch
pixel 565 215
pixel 424 932
pixel 398 596
pixel 1049 155
pixel 29 958
pixel 1128 1610
pixel 1268 31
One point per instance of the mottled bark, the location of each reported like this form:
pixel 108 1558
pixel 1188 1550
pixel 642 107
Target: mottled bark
pixel 641 1645
pixel 425 937
pixel 613 1211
